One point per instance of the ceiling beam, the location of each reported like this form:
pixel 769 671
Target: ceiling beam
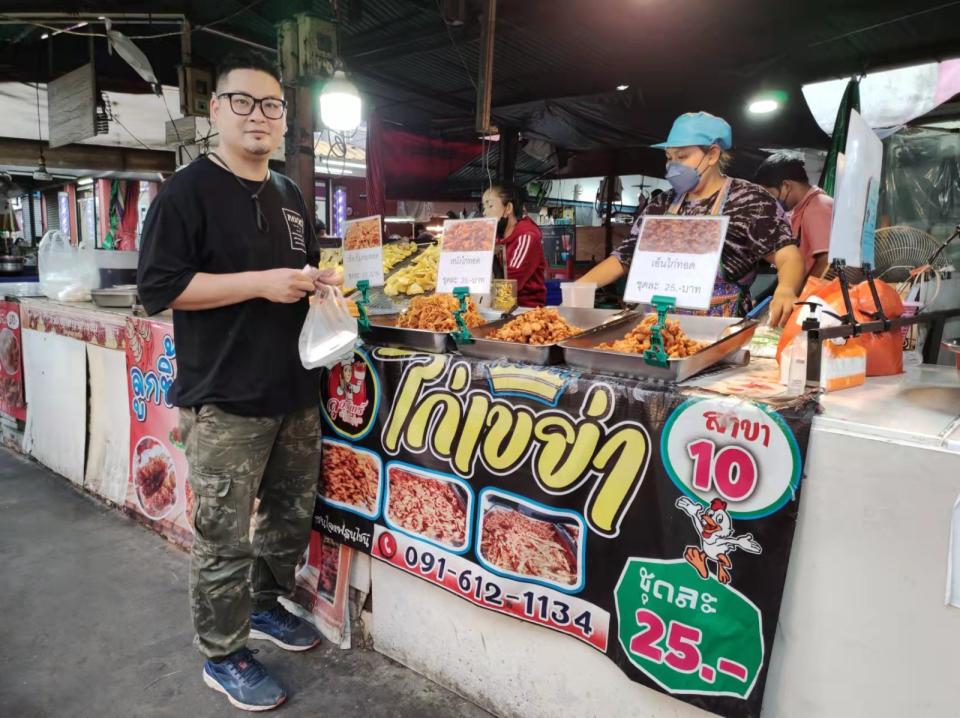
pixel 94 158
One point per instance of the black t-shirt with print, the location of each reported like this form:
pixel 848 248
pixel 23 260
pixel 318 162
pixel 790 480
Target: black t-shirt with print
pixel 757 227
pixel 244 358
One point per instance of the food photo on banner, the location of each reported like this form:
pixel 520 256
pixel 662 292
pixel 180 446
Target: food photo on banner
pixel 12 399
pixel 651 525
pixel 158 492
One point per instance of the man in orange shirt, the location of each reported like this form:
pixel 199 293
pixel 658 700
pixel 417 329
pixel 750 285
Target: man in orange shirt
pixel 809 208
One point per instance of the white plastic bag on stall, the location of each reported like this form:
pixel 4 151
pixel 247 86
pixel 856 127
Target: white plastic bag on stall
pixel 64 269
pixel 329 332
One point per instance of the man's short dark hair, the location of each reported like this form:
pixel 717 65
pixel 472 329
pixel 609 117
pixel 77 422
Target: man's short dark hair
pixel 780 167
pixel 246 61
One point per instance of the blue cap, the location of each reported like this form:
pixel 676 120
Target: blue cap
pixel 698 128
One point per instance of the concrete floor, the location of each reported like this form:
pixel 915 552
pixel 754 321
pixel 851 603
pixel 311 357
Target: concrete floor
pixel 94 621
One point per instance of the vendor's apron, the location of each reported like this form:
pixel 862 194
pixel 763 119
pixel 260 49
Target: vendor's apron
pixel 729 299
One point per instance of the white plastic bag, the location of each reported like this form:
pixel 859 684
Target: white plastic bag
pixel 61 265
pixel 329 332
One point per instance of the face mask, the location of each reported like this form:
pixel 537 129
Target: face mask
pixel 683 178
pixel 782 201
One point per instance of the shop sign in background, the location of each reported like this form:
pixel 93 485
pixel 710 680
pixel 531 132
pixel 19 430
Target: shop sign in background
pixel 651 525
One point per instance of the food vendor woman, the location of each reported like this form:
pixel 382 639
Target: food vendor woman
pixel 520 238
pixel 696 156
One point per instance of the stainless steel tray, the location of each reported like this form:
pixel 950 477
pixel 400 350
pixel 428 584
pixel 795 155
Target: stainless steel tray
pixel 581 351
pixel 385 332
pixel 541 354
pixel 121 297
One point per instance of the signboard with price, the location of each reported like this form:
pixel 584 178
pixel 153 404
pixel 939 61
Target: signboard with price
pixel 676 256
pixel 650 525
pixel 466 255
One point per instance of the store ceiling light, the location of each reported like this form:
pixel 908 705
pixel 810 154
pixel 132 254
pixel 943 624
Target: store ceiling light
pixel 763 106
pixel 340 104
pixel 84 181
pixel 621 88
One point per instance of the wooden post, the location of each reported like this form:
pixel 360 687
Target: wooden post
pixel 301 115
pixel 485 78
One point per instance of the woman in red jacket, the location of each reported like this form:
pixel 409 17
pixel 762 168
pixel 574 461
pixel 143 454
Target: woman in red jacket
pixel 520 238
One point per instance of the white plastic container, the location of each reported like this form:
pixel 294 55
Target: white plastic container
pixel 578 294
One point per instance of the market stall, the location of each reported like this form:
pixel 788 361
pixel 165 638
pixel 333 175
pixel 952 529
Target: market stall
pixel 554 494
pixel 433 461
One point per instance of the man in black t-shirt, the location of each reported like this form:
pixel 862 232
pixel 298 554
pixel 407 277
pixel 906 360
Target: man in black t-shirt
pixel 224 245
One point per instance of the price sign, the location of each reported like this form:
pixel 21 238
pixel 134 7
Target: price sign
pixel 735 451
pixel 363 251
pixel 466 255
pixel 677 256
pixel 688 634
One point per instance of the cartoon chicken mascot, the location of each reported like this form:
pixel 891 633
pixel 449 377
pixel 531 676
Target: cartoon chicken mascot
pixel 717 541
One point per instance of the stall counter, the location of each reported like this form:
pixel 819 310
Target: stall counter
pixel 863 628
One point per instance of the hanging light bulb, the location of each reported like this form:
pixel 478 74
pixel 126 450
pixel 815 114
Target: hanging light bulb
pixel 340 103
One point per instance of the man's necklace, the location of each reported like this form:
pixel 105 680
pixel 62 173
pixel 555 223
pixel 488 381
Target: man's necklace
pixel 262 224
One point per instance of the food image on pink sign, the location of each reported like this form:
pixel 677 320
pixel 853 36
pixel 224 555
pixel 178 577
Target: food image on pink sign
pixel 154 477
pixel 9 351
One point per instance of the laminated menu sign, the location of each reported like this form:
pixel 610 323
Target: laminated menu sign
pixel 466 255
pixel 12 401
pixel 363 252
pixel 323 587
pixel 676 256
pixel 647 524
pixel 157 491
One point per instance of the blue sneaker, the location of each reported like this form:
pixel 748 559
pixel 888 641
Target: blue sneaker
pixel 244 681
pixel 283 628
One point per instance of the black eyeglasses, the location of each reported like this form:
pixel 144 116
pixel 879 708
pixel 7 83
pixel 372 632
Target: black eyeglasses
pixel 243 104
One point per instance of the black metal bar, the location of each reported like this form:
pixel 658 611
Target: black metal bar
pixel 845 330
pixel 931 348
pixel 879 314
pixel 840 267
pixel 814 352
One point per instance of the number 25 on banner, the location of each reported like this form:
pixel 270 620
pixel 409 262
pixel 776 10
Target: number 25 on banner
pixel 735 450
pixel 687 634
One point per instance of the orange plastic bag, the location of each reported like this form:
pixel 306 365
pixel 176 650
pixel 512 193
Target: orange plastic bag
pixel 884 350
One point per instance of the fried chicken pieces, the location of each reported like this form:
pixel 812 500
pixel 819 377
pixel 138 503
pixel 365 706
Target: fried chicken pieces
pixel 542 325
pixel 435 313
pixel 675 342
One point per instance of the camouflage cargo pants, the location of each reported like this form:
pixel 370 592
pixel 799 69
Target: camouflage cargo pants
pixel 233 461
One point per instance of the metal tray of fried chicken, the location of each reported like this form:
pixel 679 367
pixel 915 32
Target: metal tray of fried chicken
pixel 385 332
pixel 484 347
pixel 723 338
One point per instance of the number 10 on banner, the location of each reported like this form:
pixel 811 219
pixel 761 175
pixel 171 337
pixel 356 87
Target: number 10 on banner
pixel 731 471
